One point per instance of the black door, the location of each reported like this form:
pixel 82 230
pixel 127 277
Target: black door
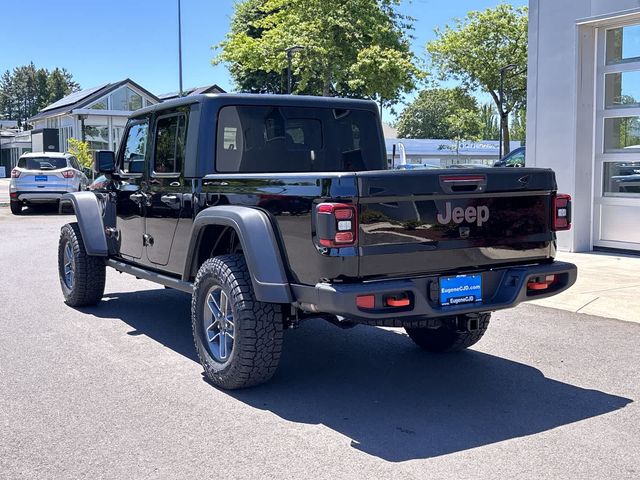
pixel 131 201
pixel 166 186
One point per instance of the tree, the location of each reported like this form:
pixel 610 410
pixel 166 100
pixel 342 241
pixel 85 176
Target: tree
pixel 489 121
pixel 475 49
pixel 358 48
pixel 519 125
pixel 80 150
pixel 27 90
pixel 444 113
pixel 60 84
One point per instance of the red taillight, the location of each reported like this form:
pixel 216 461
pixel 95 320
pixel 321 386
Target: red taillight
pixel 561 211
pixel 15 173
pixel 68 174
pixel 337 224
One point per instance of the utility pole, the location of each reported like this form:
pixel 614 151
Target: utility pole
pixel 180 46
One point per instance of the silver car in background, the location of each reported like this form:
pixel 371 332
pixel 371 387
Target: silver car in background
pixel 44 178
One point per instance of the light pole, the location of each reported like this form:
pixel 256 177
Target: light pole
pixel 180 46
pixel 290 51
pixel 503 71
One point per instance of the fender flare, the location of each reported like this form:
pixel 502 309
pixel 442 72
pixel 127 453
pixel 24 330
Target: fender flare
pixel 259 245
pixel 89 215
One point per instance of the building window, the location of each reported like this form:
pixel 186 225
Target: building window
pixel 621 134
pixel 102 104
pixel 116 135
pixel 125 99
pixel 622 89
pixel 623 44
pixel 621 179
pixel 64 133
pixel 97 136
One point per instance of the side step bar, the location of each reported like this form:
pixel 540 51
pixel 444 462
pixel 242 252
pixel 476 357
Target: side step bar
pixel 151 276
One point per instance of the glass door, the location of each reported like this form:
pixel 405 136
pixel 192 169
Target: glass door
pixel 616 212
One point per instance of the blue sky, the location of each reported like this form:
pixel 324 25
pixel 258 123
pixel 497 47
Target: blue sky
pixel 105 41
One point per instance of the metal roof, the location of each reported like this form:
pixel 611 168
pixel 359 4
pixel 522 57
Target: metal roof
pixel 85 97
pixel 74 97
pixel 192 91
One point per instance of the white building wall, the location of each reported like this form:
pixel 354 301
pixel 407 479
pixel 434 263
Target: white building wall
pixel 561 93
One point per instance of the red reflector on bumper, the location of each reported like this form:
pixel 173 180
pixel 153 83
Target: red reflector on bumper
pixel 366 301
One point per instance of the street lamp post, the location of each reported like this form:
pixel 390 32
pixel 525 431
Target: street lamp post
pixel 180 46
pixel 503 71
pixel 290 51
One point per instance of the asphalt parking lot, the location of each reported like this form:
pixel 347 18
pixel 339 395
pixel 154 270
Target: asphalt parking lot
pixel 116 391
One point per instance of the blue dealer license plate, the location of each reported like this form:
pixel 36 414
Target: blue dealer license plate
pixel 41 178
pixel 460 289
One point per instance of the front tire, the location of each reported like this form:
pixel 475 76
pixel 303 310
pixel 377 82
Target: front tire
pixel 16 207
pixel 238 339
pixel 454 334
pixel 82 276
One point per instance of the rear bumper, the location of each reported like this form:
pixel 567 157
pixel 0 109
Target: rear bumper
pixel 502 288
pixel 38 196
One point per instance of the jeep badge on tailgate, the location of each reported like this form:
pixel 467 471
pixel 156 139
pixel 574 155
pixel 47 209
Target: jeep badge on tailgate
pixel 470 214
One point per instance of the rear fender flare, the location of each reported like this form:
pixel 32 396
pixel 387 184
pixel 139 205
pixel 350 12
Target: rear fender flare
pixel 89 214
pixel 259 245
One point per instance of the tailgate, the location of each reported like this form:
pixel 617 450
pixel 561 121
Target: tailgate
pixel 415 222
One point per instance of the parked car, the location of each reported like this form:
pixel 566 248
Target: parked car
pixel 196 197
pixel 515 158
pixel 44 178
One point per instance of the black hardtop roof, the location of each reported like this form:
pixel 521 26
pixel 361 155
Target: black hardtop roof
pixel 222 99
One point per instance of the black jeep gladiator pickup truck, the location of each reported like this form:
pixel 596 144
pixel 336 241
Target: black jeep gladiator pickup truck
pixel 272 209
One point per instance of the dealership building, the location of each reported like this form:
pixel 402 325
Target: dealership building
pixel 583 114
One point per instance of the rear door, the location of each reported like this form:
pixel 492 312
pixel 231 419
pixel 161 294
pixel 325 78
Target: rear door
pixel 437 220
pixel 166 186
pixel 131 201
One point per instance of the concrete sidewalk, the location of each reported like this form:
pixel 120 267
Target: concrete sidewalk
pixel 608 285
pixel 4 191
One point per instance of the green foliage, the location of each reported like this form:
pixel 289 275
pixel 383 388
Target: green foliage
pixel 80 150
pixel 358 48
pixel 489 120
pixel 519 125
pixel 27 90
pixel 474 50
pixel 444 113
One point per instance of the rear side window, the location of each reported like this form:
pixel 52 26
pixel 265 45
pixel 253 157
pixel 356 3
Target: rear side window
pixel 293 139
pixel 43 163
pixel 170 144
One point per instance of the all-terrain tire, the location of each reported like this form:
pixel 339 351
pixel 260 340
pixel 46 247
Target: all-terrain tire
pixel 88 272
pixel 16 207
pixel 257 330
pixel 448 338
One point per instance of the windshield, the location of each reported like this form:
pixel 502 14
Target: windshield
pixel 42 163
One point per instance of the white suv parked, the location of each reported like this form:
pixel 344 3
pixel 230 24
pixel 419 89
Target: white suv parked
pixel 44 178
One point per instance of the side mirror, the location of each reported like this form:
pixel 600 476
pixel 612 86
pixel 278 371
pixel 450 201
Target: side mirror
pixel 104 161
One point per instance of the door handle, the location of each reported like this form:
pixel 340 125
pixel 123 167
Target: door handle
pixel 136 197
pixel 170 199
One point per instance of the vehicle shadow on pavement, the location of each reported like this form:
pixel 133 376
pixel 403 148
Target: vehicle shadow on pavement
pixel 375 387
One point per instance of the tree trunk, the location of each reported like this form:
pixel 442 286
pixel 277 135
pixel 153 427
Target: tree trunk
pixel 506 139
